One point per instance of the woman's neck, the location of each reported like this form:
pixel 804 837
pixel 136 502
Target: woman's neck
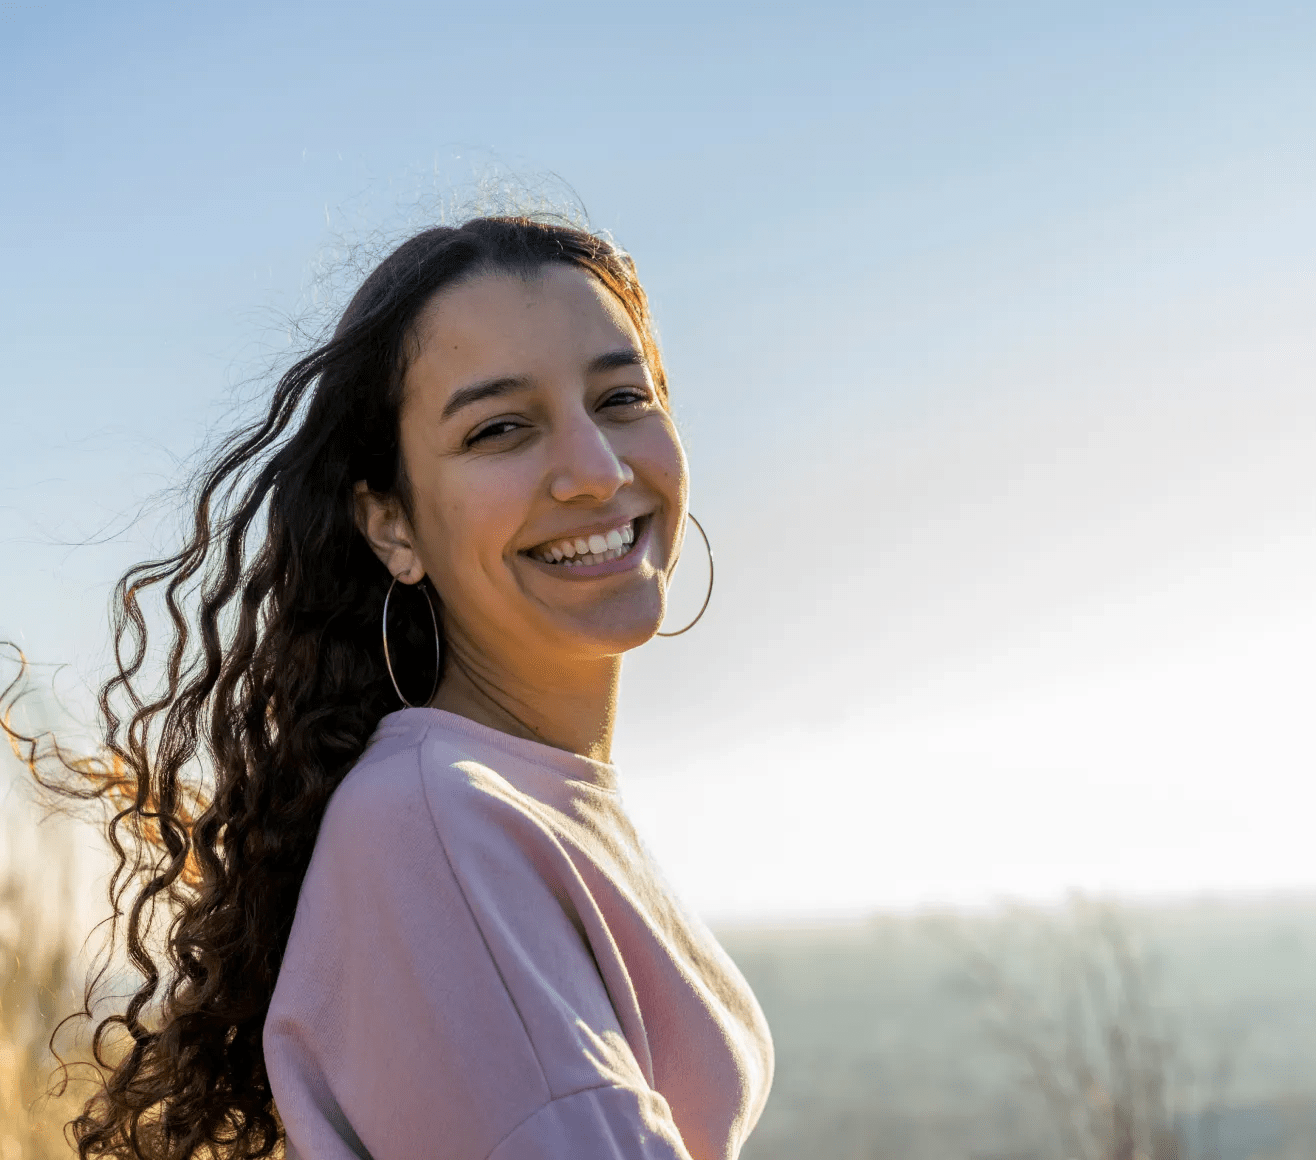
pixel 572 708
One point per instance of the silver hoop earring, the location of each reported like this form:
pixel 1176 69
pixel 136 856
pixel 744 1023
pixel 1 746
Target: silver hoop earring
pixel 438 647
pixel 707 595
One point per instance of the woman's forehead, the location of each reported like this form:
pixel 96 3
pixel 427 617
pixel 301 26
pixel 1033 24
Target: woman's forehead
pixel 556 310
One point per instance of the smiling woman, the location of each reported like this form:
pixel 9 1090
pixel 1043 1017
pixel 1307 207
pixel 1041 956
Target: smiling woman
pixel 544 499
pixel 428 930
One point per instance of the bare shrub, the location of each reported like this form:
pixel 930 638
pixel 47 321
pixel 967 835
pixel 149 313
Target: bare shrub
pixel 1073 996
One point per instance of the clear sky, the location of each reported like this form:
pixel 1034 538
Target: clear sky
pixel 991 335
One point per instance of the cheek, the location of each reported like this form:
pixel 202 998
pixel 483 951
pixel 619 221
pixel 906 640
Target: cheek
pixel 467 526
pixel 664 461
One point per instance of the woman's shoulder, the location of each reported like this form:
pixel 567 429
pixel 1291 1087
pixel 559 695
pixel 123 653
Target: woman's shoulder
pixel 417 768
pixel 395 843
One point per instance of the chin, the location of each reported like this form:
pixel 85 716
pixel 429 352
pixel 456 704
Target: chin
pixel 617 629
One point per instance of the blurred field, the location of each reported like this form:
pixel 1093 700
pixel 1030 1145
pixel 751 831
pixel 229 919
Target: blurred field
pixel 889 1042
pixel 1190 1028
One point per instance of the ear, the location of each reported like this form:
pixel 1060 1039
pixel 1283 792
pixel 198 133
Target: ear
pixel 387 530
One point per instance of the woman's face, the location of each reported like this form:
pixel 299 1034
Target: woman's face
pixel 548 482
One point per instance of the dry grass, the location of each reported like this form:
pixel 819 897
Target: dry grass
pixel 37 989
pixel 43 860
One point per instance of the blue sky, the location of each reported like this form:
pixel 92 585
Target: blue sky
pixel 990 329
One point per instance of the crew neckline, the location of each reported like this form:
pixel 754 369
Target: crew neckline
pixel 572 766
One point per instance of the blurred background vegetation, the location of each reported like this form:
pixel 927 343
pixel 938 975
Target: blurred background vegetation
pixel 1090 1031
pixel 42 970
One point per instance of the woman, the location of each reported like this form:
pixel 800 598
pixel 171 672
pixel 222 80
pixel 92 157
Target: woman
pixel 424 931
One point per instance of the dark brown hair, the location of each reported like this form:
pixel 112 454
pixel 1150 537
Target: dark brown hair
pixel 218 774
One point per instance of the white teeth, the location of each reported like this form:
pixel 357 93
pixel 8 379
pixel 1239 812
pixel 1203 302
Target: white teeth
pixel 595 558
pixel 592 550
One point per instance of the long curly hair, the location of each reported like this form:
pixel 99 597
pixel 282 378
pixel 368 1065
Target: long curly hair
pixel 218 769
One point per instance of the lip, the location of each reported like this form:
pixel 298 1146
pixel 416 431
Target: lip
pixel 643 526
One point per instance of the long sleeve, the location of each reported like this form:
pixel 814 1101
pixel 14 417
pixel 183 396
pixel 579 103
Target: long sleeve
pixel 413 1020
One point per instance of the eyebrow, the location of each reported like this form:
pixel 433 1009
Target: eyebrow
pixel 488 389
pixel 509 384
pixel 626 357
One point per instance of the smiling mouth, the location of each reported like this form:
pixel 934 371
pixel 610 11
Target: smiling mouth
pixel 578 551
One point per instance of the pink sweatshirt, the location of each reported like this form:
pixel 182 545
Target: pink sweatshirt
pixel 485 964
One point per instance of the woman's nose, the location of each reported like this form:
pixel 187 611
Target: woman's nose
pixel 585 465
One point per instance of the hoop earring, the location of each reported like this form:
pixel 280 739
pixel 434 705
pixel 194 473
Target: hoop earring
pixel 707 595
pixel 438 647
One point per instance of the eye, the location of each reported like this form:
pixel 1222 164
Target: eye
pixel 497 429
pixel 626 397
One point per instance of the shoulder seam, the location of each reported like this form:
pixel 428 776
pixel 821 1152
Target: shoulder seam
pixel 438 834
